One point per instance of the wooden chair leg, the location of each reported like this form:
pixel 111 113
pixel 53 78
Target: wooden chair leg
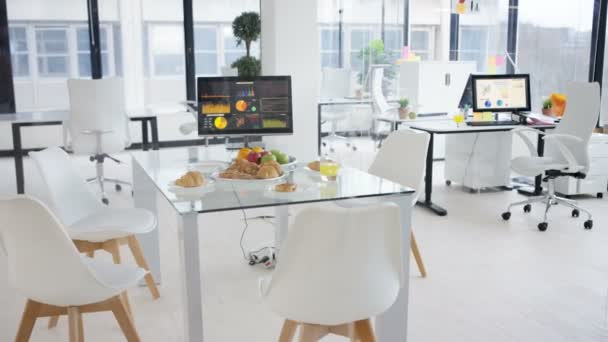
pixel 125 299
pixel 91 253
pixel 289 331
pixel 74 322
pixel 365 331
pixel 113 247
pixel 124 319
pixel 417 256
pixel 28 320
pixel 53 322
pixel 141 262
pixel 312 333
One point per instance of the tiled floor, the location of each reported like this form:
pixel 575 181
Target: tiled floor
pixel 489 280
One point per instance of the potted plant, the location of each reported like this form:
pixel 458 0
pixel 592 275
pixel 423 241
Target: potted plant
pixel 547 104
pixel 247 28
pixel 404 108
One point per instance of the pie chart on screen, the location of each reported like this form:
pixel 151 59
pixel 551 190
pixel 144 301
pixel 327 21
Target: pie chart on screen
pixel 220 122
pixel 241 105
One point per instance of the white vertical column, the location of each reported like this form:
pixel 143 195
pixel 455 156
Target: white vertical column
pixel 290 46
pixel 444 31
pixel 131 26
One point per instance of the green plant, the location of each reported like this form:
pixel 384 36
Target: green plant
pixel 547 104
pixel 248 67
pixel 403 103
pixel 247 28
pixel 374 54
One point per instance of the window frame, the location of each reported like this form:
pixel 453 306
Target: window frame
pixel 109 50
pixel 430 29
pixel 39 26
pixel 218 46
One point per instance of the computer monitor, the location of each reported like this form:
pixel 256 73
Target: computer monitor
pixel 244 107
pixel 466 99
pixel 501 93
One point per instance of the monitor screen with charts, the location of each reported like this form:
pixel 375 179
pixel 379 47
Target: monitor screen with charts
pixel 236 106
pixel 501 93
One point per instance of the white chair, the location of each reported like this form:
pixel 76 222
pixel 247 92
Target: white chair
pixel 91 225
pixel 45 267
pixel 335 85
pixel 566 151
pixel 386 113
pixel 98 124
pixel 402 159
pixel 338 268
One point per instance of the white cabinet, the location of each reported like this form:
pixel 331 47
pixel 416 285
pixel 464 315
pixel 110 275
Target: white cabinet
pixel 596 181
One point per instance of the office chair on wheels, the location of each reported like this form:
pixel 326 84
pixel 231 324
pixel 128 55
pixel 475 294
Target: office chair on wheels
pixel 98 125
pixel 566 151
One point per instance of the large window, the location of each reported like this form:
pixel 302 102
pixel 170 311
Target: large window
pixel 422 40
pixel 330 45
pixel 206 50
pixel 473 46
pixel 52 50
pixel 359 39
pixel 19 51
pixel 166 48
pixel 84 55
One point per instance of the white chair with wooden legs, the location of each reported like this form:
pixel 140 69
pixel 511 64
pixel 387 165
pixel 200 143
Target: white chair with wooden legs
pixel 338 268
pixel 92 225
pixel 45 267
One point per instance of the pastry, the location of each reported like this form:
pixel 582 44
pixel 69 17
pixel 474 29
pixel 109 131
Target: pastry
pixel 191 179
pixel 266 172
pixel 285 187
pixel 315 166
pixel 274 164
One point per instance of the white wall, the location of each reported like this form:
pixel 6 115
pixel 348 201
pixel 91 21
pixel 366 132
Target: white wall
pixel 290 46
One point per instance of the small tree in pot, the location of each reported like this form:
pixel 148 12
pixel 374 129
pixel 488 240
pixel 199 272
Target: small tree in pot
pixel 247 28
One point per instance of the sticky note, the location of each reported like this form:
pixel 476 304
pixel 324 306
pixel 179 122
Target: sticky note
pixel 460 8
pixel 500 60
pixel 491 64
pixel 487 116
pixel 405 52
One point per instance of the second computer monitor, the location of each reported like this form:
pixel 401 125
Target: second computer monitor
pixel 501 93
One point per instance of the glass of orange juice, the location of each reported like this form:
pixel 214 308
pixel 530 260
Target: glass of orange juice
pixel 458 119
pixel 329 169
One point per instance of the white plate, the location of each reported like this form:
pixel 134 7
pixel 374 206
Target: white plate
pixel 192 192
pixel 207 167
pixel 217 177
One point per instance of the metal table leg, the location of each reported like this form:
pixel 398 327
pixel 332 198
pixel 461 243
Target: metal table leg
pixel 428 182
pixel 538 180
pixel 391 326
pixel 319 128
pixel 154 129
pixel 144 135
pixel 18 155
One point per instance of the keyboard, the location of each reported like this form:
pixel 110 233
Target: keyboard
pixel 493 123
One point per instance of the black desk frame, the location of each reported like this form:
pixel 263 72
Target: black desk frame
pixel 428 178
pixel 18 151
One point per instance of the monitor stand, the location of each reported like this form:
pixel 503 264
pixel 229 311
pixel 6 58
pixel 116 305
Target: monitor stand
pixel 522 116
pixel 237 145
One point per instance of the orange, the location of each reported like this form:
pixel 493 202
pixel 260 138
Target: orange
pixel 243 153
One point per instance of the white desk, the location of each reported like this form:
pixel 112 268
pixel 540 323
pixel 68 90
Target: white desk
pixel 450 127
pixel 154 170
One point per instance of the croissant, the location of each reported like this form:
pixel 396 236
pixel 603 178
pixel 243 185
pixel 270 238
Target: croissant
pixel 266 172
pixel 191 179
pixel 274 164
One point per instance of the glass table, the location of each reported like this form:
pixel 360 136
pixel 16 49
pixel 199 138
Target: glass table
pixel 153 172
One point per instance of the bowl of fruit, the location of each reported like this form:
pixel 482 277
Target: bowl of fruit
pixel 259 155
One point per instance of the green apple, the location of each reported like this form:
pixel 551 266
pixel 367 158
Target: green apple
pixel 275 152
pixel 283 158
pixel 268 157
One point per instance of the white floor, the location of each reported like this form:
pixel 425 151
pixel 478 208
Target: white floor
pixel 489 280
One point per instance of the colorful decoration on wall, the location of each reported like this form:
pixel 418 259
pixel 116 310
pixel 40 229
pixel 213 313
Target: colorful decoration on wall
pixel 464 6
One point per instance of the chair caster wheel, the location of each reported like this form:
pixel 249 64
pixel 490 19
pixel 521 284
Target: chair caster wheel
pixel 506 216
pixel 527 208
pixel 118 187
pixel 448 182
pixel 575 213
pixel 324 144
pixel 600 195
pixel 105 201
pixel 355 148
pixel 543 226
pixel 588 224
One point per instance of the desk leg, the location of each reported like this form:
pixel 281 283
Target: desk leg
pixel 538 180
pixel 154 129
pixel 18 155
pixel 144 135
pixel 144 196
pixel 428 182
pixel 391 326
pixel 281 214
pixel 192 297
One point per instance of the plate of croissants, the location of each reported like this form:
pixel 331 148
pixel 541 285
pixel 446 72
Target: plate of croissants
pixel 244 170
pixel 192 183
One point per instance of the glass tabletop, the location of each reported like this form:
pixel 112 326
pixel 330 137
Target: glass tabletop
pixel 164 166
